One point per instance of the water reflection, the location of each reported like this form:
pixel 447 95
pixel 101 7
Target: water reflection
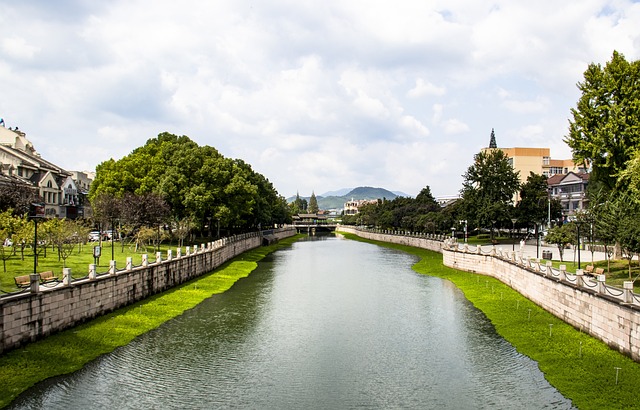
pixel 326 324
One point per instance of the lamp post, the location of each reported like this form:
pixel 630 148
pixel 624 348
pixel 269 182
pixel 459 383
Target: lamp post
pixel 493 240
pixel 453 232
pixel 513 239
pixel 465 229
pixel 578 223
pixel 36 212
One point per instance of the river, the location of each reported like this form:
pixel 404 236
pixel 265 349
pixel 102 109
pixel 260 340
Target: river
pixel 326 324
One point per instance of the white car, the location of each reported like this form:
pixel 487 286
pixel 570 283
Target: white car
pixel 94 236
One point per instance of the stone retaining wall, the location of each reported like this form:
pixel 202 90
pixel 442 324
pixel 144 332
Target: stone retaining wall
pixel 609 314
pixel 29 316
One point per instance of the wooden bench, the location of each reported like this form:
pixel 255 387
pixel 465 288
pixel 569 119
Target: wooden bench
pixel 48 276
pixel 599 271
pixel 23 281
pixel 589 270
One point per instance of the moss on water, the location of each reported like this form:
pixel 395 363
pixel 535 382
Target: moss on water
pixel 581 367
pixel 70 350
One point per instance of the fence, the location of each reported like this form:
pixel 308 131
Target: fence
pixel 42 309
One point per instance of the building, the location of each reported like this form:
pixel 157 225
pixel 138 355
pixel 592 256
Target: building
pixel 570 189
pixel 56 186
pixel 536 160
pixel 351 207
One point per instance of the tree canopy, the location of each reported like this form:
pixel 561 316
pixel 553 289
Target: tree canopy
pixel 488 188
pixel 605 130
pixel 195 181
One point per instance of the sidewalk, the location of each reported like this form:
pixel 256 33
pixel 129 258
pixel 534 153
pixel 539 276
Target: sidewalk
pixel 567 256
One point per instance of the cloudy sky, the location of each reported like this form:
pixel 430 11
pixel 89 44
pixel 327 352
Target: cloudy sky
pixel 315 95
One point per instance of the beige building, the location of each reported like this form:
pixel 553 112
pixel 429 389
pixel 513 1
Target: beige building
pixel 536 160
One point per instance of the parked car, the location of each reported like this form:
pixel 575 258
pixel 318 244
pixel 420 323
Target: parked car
pixel 94 236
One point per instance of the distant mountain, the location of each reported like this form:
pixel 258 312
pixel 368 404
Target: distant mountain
pixel 337 201
pixel 339 192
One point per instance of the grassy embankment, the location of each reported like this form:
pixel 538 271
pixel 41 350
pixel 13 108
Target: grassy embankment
pixel 68 351
pixel 582 368
pixel 78 261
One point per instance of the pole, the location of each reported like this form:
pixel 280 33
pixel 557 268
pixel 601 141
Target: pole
pixel 35 246
pixel 578 225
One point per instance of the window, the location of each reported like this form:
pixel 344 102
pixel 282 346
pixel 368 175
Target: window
pixel 546 160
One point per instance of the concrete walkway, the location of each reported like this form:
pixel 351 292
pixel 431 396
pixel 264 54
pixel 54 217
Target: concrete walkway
pixel 567 256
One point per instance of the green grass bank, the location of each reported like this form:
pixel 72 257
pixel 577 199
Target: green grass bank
pixel 70 350
pixel 582 368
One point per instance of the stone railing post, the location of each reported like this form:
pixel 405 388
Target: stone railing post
pixel 158 257
pixel 112 267
pixel 580 277
pixel 169 254
pixel 493 250
pixel 563 272
pixel 179 253
pixel 145 259
pixel 34 279
pixel 188 250
pixel 92 271
pixel 549 265
pixel 66 276
pixel 627 287
pixel 129 263
pixel 601 281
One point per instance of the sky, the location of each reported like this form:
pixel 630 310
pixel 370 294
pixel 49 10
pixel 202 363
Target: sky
pixel 316 96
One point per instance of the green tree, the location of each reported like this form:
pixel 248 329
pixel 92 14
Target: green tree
pixel 313 203
pixel 561 236
pixel 488 188
pixel 605 129
pixel 533 207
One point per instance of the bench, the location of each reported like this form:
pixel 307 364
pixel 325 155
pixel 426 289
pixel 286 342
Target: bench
pixel 589 270
pixel 23 281
pixel 48 276
pixel 599 271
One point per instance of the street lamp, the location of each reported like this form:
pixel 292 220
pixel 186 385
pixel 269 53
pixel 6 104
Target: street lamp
pixel 513 239
pixel 36 212
pixel 453 232
pixel 578 223
pixel 465 229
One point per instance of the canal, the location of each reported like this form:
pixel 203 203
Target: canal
pixel 326 324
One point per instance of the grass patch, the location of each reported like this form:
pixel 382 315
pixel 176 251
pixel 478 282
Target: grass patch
pixel 78 261
pixel 70 350
pixel 581 367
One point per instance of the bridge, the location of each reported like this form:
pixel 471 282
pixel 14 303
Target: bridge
pixel 312 228
pixel 312 223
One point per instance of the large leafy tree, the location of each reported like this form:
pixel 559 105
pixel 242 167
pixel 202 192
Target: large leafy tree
pixel 605 129
pixel 488 188
pixel 535 204
pixel 196 182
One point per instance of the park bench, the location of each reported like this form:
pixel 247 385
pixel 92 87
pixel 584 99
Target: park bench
pixel 599 271
pixel 48 276
pixel 23 281
pixel 589 270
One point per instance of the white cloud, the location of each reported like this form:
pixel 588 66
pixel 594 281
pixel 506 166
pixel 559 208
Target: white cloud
pixel 423 88
pixel 19 48
pixel 317 97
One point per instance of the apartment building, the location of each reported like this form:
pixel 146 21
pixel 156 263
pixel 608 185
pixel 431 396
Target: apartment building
pixel 59 191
